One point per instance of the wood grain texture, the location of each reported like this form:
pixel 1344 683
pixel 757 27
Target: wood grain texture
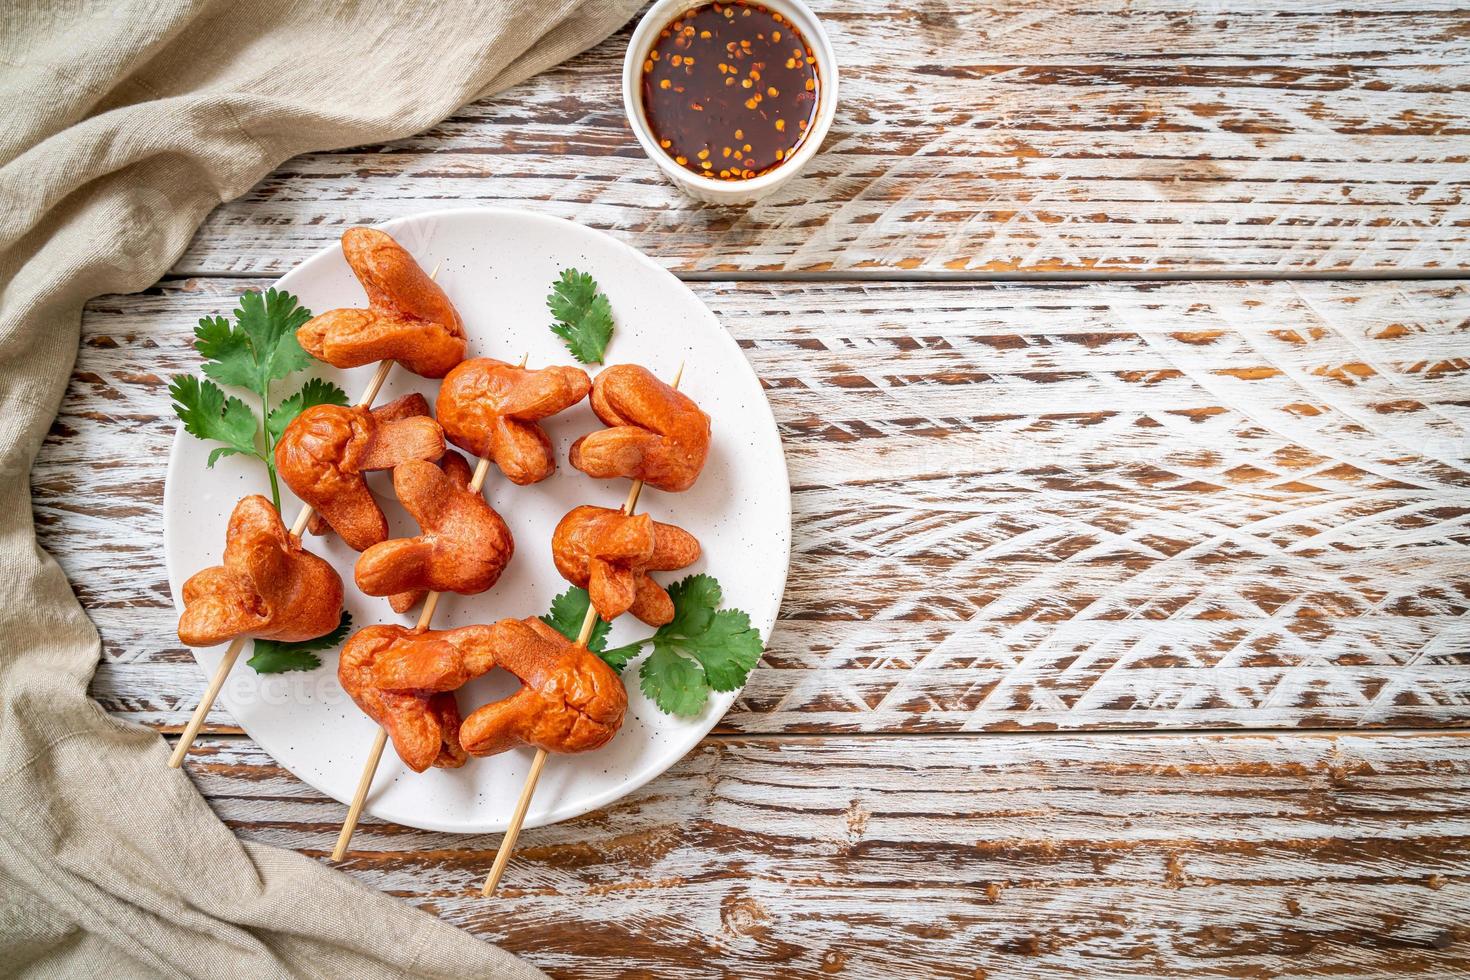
pixel 1258 137
pixel 970 856
pixel 1015 507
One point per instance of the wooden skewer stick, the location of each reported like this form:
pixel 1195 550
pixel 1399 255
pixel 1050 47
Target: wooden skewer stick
pixel 227 662
pixel 196 721
pixel 375 754
pixel 518 816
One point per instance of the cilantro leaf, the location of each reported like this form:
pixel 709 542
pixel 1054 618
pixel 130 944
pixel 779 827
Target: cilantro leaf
pixel 720 639
pixel 208 414
pixel 227 353
pixel 568 610
pixel 219 453
pixel 258 348
pixel 675 683
pixel 274 657
pixel 728 650
pixel 583 315
pixel 270 320
pixel 702 648
pixel 314 392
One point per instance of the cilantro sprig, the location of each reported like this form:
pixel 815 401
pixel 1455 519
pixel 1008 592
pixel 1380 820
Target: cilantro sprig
pixel 274 657
pixel 703 648
pixel 254 351
pixel 583 315
pixel 258 348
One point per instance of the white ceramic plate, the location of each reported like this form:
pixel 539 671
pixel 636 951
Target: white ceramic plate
pixel 497 266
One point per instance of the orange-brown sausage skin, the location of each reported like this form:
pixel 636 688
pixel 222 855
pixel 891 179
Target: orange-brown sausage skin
pixel 657 435
pixel 490 409
pixel 267 587
pixel 409 319
pixel 610 555
pixel 570 700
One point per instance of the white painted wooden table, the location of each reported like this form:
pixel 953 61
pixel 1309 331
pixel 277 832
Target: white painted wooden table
pixel 1123 366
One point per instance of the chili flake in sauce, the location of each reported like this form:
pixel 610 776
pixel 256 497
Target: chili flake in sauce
pixel 730 90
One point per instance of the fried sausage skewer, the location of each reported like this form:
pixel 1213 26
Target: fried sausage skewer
pixel 232 653
pixel 408 318
pixel 380 286
pixel 610 553
pixel 518 816
pixel 569 699
pixel 655 434
pixel 463 547
pixel 493 410
pixel 327 451
pixel 375 754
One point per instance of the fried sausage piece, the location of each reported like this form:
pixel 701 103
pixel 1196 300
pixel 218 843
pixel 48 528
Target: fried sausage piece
pixel 325 451
pixel 268 586
pixel 454 465
pixel 465 545
pixel 436 660
pixel 490 409
pixel 404 680
pixel 657 434
pixel 408 319
pixel 610 555
pixel 570 700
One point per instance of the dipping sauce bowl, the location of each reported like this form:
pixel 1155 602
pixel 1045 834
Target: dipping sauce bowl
pixel 730 100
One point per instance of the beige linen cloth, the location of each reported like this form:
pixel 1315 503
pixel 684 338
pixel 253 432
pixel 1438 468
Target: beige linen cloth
pixel 121 125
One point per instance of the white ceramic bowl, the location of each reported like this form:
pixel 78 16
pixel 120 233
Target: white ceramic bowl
pixel 708 189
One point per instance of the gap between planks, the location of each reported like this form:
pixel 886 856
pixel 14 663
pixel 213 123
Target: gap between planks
pixel 1020 278
pixel 1458 731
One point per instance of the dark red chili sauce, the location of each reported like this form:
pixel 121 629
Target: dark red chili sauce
pixel 730 90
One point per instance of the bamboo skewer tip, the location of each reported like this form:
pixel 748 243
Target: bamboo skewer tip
pixel 206 701
pixel 359 798
pixel 517 818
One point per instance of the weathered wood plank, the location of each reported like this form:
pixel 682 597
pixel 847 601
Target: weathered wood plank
pixel 1148 855
pixel 1268 136
pixel 1050 506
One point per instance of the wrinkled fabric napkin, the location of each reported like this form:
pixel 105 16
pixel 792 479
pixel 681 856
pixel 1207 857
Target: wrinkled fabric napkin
pixel 123 124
